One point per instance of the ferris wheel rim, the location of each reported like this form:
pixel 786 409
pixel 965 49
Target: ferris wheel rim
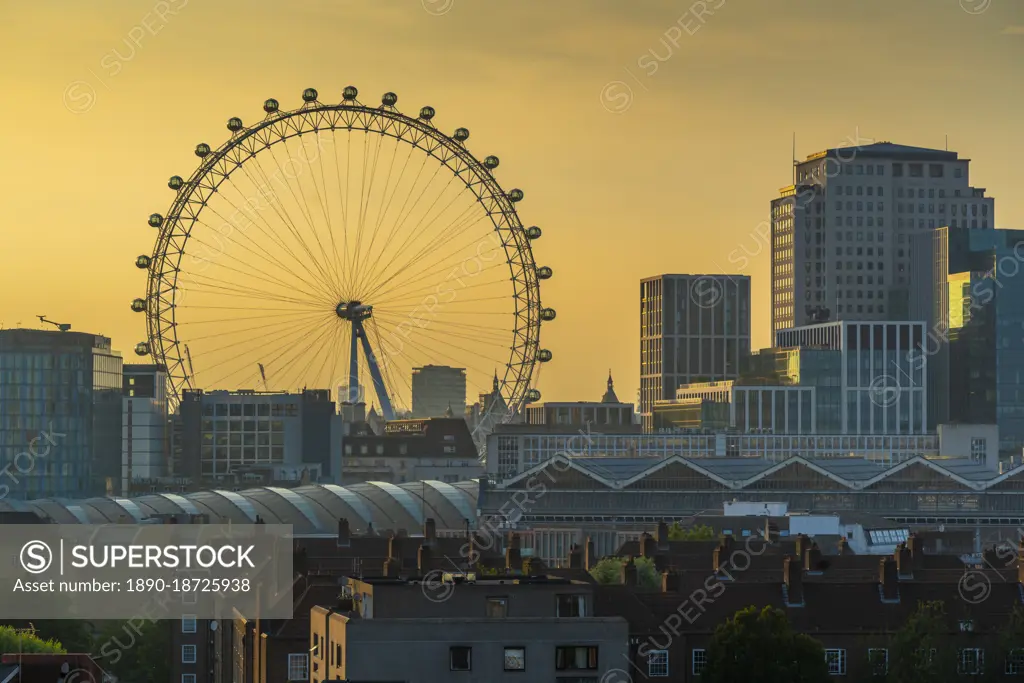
pixel 421 134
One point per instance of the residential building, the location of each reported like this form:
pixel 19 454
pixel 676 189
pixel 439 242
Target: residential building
pixel 841 233
pixel 693 328
pixel 967 289
pixel 439 448
pixel 225 431
pixel 437 389
pixel 145 443
pixel 882 373
pixel 60 406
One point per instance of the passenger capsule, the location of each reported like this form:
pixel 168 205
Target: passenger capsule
pixel 155 220
pixel 461 134
pixel 533 232
pixel 515 195
pixel 547 314
pixel 176 182
pixel 202 149
pixel 544 273
pixel 491 162
pixel 270 106
pixel 234 124
pixel 427 113
pixel 142 262
pixel 349 93
pixel 544 355
pixel 532 396
pixel 390 99
pixel 142 349
pixel 309 95
pixel 139 305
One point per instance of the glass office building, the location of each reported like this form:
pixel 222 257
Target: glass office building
pixel 60 414
pixel 969 289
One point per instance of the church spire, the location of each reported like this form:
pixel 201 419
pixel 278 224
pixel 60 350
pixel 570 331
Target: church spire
pixel 609 396
pixel 496 385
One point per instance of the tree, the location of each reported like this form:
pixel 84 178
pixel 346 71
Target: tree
pixel 761 647
pixel 609 571
pixel 920 652
pixel 13 641
pixel 135 650
pixel 676 532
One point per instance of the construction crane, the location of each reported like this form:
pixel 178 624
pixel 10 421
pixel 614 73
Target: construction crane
pixel 63 327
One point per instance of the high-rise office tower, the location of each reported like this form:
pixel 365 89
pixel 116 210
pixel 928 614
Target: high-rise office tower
pixel 144 427
pixel 841 233
pixel 60 414
pixel 969 289
pixel 436 389
pixel 693 328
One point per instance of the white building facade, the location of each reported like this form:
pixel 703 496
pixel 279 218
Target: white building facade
pixel 144 437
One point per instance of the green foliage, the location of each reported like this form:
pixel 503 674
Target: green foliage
pixel 13 641
pixel 136 650
pixel 918 652
pixel 693 533
pixel 609 571
pixel 761 647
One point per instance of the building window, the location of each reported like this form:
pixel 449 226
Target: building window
pixel 836 660
pixel 878 658
pixel 515 659
pixel 971 661
pixel 966 625
pixel 188 678
pixel 700 662
pixel 657 664
pixel 570 606
pixel 979 446
pixel 337 654
pixel 188 654
pixel 460 658
pixel 575 658
pixel 1015 662
pixel 188 623
pixel 298 667
pixel 497 607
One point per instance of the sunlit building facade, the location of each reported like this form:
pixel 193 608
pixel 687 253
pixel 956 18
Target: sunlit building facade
pixel 60 414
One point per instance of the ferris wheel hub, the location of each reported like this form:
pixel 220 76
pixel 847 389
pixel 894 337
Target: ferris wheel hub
pixel 353 310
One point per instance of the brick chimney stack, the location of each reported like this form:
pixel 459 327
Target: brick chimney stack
pixel 802 544
pixel 423 559
pixel 718 558
pixel 394 549
pixel 513 556
pixel 590 555
pixel 812 558
pixel 662 535
pixel 629 573
pixel 793 575
pixel 429 532
pixel 670 582
pixel 914 545
pixel 844 547
pixel 1020 561
pixel 904 566
pixel 391 567
pixel 646 545
pixel 575 557
pixel 888 576
pixel 727 544
pixel 344 534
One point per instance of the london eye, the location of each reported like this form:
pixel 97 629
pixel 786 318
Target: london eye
pixel 340 245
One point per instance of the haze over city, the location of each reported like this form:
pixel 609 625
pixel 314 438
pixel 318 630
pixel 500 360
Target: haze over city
pixel 646 141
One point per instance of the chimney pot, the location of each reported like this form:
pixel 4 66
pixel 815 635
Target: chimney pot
pixel 646 545
pixel 670 582
pixel 629 572
pixel 423 559
pixel 812 558
pixel 429 532
pixel 513 558
pixel 575 557
pixel 904 566
pixel 590 556
pixel 662 535
pixel 843 545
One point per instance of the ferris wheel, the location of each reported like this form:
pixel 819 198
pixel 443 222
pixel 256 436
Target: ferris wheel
pixel 342 246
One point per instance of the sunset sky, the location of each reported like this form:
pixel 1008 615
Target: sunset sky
pixel 645 139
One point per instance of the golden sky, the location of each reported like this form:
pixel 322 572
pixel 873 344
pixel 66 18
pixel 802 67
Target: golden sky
pixel 646 139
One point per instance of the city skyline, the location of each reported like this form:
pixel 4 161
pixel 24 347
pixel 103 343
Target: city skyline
pixel 564 157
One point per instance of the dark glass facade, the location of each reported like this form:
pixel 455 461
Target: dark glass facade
pixel 969 284
pixel 60 414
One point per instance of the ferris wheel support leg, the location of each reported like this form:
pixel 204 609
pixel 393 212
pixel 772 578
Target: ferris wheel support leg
pixel 353 366
pixel 378 379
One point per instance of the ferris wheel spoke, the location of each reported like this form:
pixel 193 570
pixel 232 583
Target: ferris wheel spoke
pixel 503 331
pixel 285 217
pixel 308 322
pixel 385 201
pixel 453 280
pixel 266 277
pixel 286 361
pixel 245 330
pixel 447 334
pixel 326 343
pixel 252 292
pixel 389 371
pixel 403 267
pixel 469 214
pixel 244 362
pixel 432 292
pixel 263 253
